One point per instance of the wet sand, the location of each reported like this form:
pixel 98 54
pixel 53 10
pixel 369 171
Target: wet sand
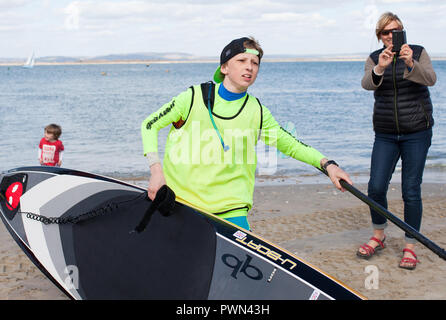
pixel 325 227
pixel 317 223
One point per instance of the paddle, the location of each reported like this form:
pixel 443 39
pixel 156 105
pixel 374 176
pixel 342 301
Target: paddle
pixel 390 216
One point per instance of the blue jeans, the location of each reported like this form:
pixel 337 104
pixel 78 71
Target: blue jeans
pixel 387 150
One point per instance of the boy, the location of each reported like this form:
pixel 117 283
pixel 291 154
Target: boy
pixel 210 158
pixel 50 147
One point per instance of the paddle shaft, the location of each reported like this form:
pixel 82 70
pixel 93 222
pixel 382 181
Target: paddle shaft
pixel 390 216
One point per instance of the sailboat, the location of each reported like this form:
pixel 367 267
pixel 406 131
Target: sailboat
pixel 30 62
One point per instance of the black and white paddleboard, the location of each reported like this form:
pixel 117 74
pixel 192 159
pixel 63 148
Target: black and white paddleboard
pixel 77 228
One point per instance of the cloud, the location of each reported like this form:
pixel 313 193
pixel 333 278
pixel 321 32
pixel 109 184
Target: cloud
pixel 282 17
pixel 10 28
pixel 88 27
pixel 13 4
pixel 183 12
pixel 402 1
pixel 14 20
pixel 310 20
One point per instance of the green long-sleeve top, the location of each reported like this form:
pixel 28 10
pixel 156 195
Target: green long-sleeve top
pixel 237 179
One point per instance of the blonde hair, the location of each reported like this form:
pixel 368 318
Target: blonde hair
pixel 384 20
pixel 54 129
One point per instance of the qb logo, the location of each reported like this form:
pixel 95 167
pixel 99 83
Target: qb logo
pixel 242 266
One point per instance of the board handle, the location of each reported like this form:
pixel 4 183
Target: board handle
pixel 164 202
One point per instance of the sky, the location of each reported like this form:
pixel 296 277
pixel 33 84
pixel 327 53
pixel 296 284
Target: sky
pixel 203 27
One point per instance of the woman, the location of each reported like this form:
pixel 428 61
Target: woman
pixel 402 121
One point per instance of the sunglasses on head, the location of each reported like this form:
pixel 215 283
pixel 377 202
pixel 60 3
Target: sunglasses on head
pixel 386 32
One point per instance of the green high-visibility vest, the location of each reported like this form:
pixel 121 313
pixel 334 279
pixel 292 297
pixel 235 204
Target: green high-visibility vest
pixel 197 168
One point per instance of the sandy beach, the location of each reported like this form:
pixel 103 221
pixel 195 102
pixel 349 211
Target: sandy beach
pixel 316 222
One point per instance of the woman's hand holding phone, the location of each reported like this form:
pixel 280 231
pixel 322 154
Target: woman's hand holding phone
pixel 406 54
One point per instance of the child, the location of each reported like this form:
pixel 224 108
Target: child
pixel 50 147
pixel 210 157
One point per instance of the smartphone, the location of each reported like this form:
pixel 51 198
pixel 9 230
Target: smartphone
pixel 398 39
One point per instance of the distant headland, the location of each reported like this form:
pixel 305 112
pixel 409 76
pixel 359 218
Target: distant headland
pixel 178 57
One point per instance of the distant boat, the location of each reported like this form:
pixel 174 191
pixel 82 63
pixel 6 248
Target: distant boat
pixel 30 62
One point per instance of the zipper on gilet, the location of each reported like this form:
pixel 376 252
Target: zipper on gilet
pixel 395 96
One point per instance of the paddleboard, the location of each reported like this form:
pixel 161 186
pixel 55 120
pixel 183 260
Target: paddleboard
pixel 78 229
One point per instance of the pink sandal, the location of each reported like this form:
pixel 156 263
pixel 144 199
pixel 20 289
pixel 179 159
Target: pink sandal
pixel 369 250
pixel 412 263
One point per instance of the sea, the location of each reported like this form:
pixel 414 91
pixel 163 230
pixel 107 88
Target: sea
pixel 101 107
